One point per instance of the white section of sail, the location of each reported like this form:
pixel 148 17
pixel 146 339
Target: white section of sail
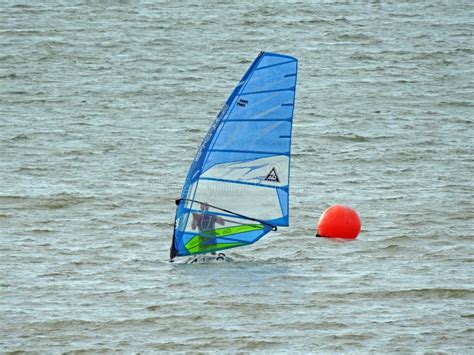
pixel 249 200
pixel 258 171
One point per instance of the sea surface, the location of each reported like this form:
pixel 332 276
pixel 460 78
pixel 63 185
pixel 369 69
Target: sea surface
pixel 103 105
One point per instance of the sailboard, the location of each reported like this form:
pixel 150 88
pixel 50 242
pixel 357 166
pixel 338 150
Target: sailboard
pixel 237 188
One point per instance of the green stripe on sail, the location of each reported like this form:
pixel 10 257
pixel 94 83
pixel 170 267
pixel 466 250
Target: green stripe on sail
pixel 198 244
pixel 226 231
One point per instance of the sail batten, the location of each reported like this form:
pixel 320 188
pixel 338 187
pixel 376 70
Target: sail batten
pixel 237 188
pixel 245 183
pixel 247 151
pixel 267 91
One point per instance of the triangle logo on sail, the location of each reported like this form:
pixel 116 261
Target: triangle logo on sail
pixel 272 176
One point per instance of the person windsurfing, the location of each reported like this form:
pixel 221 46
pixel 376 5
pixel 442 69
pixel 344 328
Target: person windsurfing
pixel 206 224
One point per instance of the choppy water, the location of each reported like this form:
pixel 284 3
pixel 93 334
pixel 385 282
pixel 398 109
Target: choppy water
pixel 102 108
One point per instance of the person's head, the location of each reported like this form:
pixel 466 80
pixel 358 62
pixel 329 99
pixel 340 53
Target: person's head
pixel 204 206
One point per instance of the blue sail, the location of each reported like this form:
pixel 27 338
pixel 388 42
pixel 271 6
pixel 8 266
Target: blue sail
pixel 237 188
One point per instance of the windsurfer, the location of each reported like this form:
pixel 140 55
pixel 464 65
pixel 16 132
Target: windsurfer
pixel 206 223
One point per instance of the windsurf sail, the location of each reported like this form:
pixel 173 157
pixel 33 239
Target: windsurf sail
pixel 237 188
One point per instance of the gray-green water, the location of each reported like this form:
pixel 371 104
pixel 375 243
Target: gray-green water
pixel 102 108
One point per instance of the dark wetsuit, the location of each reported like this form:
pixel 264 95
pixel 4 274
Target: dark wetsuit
pixel 206 224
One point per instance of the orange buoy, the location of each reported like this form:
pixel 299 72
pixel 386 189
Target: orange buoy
pixel 339 221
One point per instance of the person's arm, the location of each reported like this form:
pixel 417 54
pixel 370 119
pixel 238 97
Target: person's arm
pixel 220 220
pixel 195 222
